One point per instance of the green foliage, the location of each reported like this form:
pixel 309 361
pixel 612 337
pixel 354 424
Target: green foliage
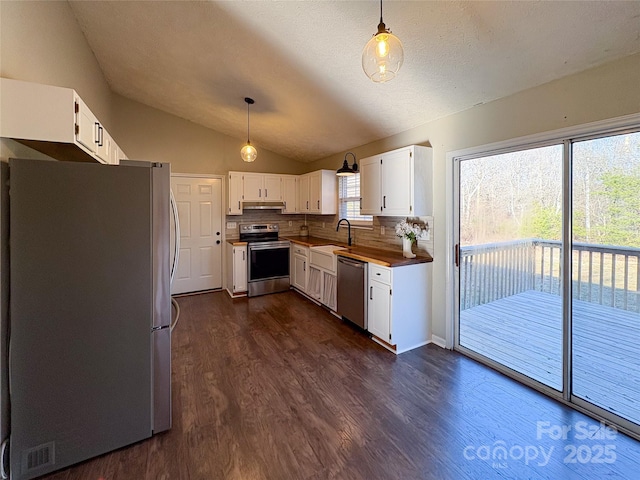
pixel 622 193
pixel 543 222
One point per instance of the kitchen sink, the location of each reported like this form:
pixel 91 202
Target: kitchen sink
pixel 322 257
pixel 327 248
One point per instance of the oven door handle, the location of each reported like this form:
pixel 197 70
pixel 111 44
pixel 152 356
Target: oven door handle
pixel 253 247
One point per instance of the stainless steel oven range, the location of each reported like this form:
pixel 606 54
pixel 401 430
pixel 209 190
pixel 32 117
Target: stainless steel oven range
pixel 268 265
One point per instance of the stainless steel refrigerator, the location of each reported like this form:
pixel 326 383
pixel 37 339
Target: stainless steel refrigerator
pixel 89 310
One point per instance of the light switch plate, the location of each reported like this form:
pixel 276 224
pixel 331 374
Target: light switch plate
pixel 231 225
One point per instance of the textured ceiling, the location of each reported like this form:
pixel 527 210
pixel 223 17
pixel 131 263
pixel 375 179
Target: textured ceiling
pixel 301 61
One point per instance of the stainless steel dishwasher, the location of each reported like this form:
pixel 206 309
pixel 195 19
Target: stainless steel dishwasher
pixel 352 291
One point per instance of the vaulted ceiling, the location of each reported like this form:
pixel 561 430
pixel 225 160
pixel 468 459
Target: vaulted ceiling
pixel 301 61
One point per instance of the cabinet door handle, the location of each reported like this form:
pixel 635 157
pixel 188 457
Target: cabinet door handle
pixel 97 131
pixel 318 204
pixel 384 201
pixel 238 204
pixel 370 293
pixel 307 204
pixel 259 192
pixel 243 259
pixel 266 193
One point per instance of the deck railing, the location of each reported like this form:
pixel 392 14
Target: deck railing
pixel 603 274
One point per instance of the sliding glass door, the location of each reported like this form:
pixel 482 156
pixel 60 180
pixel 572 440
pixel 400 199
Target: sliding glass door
pixel 510 261
pixel 605 327
pixel 548 263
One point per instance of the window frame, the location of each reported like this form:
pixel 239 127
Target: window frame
pixel 356 220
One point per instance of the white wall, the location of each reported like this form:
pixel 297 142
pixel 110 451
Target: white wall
pixel 149 134
pixel 42 42
pixel 601 93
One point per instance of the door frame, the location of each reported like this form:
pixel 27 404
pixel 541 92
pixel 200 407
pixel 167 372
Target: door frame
pixel 560 136
pixel 223 216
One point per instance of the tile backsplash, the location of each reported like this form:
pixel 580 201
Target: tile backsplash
pixel 324 226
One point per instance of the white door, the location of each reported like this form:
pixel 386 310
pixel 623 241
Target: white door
pixel 199 201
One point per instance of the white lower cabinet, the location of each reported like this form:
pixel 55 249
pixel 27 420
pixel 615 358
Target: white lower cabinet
pixel 379 308
pixel 299 271
pixel 313 272
pixel 236 270
pixel 399 305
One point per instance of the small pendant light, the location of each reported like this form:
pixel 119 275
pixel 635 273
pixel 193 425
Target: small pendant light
pixel 248 152
pixel 383 55
pixel 346 170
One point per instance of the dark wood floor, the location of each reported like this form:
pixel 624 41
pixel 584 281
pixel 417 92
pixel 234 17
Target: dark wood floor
pixel 274 387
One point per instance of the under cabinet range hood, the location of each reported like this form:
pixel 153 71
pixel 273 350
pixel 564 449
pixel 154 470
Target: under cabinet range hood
pixel 262 205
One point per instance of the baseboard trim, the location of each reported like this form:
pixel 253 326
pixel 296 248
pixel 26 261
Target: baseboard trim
pixel 441 342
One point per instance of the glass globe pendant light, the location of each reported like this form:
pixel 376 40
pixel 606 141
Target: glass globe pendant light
pixel 383 55
pixel 248 152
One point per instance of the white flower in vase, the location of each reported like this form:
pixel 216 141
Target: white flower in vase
pixel 409 232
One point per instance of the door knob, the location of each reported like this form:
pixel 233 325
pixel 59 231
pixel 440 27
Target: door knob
pixel 217 242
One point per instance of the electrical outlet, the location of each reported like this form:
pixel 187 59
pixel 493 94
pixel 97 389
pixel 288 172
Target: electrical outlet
pixel 290 223
pixel 322 224
pixel 231 225
pixel 381 229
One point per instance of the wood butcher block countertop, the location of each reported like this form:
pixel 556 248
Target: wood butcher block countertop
pixel 237 243
pixel 386 258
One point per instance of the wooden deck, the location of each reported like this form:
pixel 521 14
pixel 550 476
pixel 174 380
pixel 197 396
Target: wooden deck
pixel 524 333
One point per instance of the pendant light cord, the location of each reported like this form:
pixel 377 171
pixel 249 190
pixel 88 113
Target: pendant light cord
pixel 380 11
pixel 248 136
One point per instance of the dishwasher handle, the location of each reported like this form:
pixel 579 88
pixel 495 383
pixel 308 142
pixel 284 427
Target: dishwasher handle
pixel 351 263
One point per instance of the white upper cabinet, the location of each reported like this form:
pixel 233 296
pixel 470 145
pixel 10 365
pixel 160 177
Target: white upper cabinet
pixel 290 193
pixel 303 194
pixel 262 187
pixel 397 183
pixel 318 193
pixel 234 206
pixel 86 131
pixel 272 187
pixel 370 190
pixel 252 188
pixel 314 192
pixel 54 121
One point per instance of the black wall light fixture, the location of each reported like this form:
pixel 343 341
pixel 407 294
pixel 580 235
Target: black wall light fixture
pixel 346 170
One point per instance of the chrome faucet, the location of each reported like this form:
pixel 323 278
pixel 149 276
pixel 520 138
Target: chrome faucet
pixel 348 226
